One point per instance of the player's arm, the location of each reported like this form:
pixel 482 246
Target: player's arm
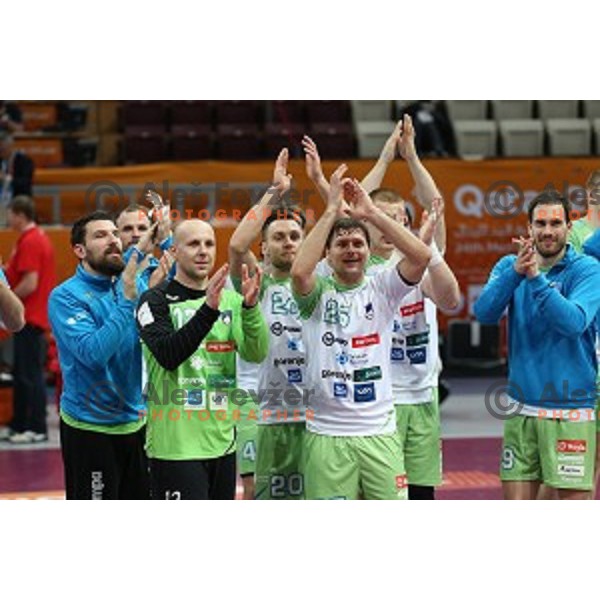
pixel 303 274
pixel 426 188
pixel 506 276
pixel 251 225
pixel 314 169
pixel 375 176
pixel 169 346
pixel 416 253
pixel 12 311
pixel 27 285
pixel 440 283
pixel 78 328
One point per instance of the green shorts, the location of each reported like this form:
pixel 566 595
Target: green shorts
pixel 558 453
pixel 279 449
pixel 420 435
pixel 246 447
pixel 344 468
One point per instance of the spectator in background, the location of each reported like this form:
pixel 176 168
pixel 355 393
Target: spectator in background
pixel 11 118
pixel 16 171
pixel 31 274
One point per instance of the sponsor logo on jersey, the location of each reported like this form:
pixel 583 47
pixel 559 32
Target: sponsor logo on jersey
pixel 418 339
pixel 366 340
pixel 369 311
pixel 579 446
pixel 144 316
pixel 227 316
pixel 401 482
pixel 294 376
pixel 295 344
pixel 335 313
pixel 282 303
pixel 412 309
pixel 291 360
pixel 397 354
pixel 340 390
pixel 409 326
pixel 364 392
pixel 397 326
pixel 278 328
pixel 329 339
pixel 195 399
pixel 417 356
pixel 368 374
pixel 228 346
pixel 342 358
pixel 328 373
pixel 196 362
pixel 359 359
pixel 571 470
pixel 217 400
pixel 218 381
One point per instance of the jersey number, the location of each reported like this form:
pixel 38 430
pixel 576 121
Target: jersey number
pixel 282 486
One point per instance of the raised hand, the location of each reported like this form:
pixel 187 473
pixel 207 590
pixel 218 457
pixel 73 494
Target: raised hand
pixel 215 287
pixel 146 241
pixel 129 279
pixel 388 153
pixel 162 271
pixel 282 181
pixel 526 263
pixel 429 221
pixel 335 197
pixel 406 141
pixel 314 169
pixel 251 285
pixel 360 204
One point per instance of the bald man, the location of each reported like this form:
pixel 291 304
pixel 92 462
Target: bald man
pixel 191 329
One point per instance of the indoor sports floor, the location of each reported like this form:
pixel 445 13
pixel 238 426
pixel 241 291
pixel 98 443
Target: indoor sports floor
pixel 471 446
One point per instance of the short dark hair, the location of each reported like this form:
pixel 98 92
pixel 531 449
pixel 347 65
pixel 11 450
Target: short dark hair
pixel 23 205
pixel 283 211
pixel 347 224
pixel 549 198
pixel 78 230
pixel 134 207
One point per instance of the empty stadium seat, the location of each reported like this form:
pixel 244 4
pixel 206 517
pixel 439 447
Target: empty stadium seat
pixel 464 110
pixel 476 139
pixel 288 112
pixel 238 112
pixel 190 112
pixel 371 110
pixel 372 135
pixel 144 148
pixel 328 111
pixel 558 109
pixel 281 135
pixel 135 113
pixel 569 137
pixel 591 109
pixel 238 142
pixel 334 140
pixel 512 109
pixel 522 137
pixel 191 143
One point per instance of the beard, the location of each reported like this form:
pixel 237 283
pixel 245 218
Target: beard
pixel 106 265
pixel 558 247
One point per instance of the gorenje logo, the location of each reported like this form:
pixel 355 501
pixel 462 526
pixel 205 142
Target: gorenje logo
pixel 366 340
pixel 579 446
pixel 368 374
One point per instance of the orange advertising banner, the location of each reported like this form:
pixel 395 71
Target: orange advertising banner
pixel 485 201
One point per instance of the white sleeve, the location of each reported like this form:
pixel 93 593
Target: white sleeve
pixel 323 269
pixel 390 287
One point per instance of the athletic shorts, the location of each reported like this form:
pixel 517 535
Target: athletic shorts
pixel 104 466
pixel 420 435
pixel 346 468
pixel 246 447
pixel 279 474
pixel 559 453
pixel 209 479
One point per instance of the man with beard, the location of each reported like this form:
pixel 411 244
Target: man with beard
pixel 192 329
pixel 281 385
pixel 92 316
pixel 552 295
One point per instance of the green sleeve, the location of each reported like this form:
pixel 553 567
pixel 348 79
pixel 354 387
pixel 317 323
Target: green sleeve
pixel 264 284
pixel 576 238
pixel 253 343
pixel 307 304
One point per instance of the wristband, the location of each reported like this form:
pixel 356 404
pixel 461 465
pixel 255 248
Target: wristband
pixel 436 256
pixel 166 243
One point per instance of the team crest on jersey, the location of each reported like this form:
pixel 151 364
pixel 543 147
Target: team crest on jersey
pixel 336 314
pixel 196 362
pixel 226 316
pixel 369 311
pixel 295 344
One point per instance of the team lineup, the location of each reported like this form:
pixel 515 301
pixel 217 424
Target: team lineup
pixel 312 370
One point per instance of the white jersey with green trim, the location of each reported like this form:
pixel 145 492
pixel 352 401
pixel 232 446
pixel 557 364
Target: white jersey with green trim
pixel 282 375
pixel 348 365
pixel 414 353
